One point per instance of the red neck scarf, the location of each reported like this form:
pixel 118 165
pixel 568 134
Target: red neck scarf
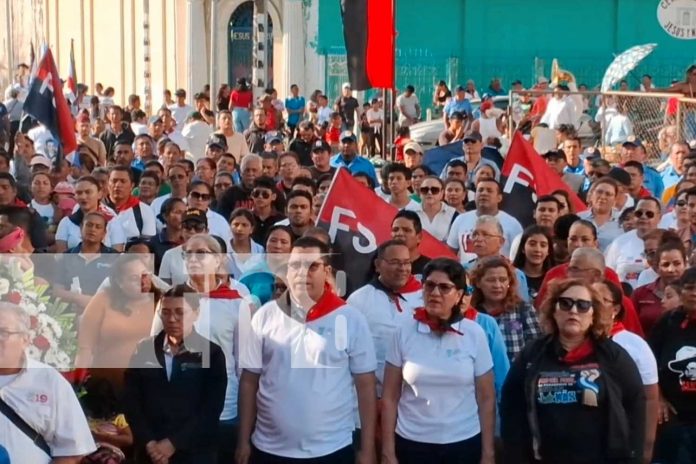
pixel 411 285
pixel 616 328
pixel 328 302
pixel 689 319
pixel 132 202
pixel 579 353
pixel 470 314
pixel 421 315
pixel 224 292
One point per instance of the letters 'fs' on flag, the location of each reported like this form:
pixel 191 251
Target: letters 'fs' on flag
pixel 369 32
pixel 526 176
pixel 357 221
pixel 46 103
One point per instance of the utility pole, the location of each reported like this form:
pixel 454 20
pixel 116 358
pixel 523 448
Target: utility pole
pixel 260 52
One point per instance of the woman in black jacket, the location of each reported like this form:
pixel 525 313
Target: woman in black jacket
pixel 573 396
pixel 175 388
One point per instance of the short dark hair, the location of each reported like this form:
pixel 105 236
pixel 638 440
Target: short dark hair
pixel 266 155
pixel 246 214
pixel 635 164
pixel 313 242
pixel 289 154
pixel 457 164
pixel 651 200
pixel 125 169
pixel 491 180
pixel 266 183
pixel 689 193
pixel 299 193
pixel 156 164
pixel 382 248
pixel 411 216
pixel 9 178
pixel 562 225
pixel 184 291
pixel 307 182
pixel 396 168
pixel 426 170
pixel 364 175
pixel 324 177
pixel 548 199
pixel 150 175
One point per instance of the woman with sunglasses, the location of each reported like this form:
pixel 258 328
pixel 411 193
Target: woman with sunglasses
pixel 574 395
pixel 116 319
pixel 436 216
pixel 673 341
pixel 678 218
pixel 222 300
pixel 535 257
pixel 670 259
pixel 419 173
pixel 641 354
pixel 495 293
pixel 199 196
pixel 438 396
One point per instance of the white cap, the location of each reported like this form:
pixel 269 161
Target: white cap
pixel 542 80
pixel 346 85
pixel 40 160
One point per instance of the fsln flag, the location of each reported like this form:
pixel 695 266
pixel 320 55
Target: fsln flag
pixel 72 75
pixel 369 32
pixel 526 176
pixel 357 221
pixel 46 103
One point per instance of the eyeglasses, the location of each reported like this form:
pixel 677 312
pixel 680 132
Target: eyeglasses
pixel 484 235
pixel 681 203
pixel 445 289
pixel 639 213
pixel 265 194
pixel 197 254
pixel 195 226
pixel 565 304
pixel 177 176
pixel 397 262
pixel 6 334
pixel 200 196
pixel 427 190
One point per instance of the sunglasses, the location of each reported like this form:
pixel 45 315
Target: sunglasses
pixel 640 213
pixel 265 194
pixel 566 304
pixel 200 196
pixel 681 203
pixel 427 190
pixel 444 288
pixel 195 226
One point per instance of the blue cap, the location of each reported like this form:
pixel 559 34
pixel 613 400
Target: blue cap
pixel 273 137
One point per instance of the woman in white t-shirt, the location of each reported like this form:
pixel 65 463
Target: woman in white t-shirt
pixel 41 190
pixel 243 248
pixel 438 397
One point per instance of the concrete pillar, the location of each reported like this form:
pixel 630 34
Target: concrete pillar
pixel 214 45
pixel 196 59
pixel 314 62
pixel 294 41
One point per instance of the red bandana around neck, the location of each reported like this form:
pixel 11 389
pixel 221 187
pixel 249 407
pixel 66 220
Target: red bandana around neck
pixel 616 328
pixel 328 302
pixel 689 319
pixel 411 285
pixel 224 292
pixel 132 202
pixel 421 315
pixel 470 314
pixel 579 353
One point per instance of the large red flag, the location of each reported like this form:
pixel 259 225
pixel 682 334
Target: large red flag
pixel 528 177
pixel 369 33
pixel 358 221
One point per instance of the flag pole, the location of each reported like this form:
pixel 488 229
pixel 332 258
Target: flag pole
pixel 392 119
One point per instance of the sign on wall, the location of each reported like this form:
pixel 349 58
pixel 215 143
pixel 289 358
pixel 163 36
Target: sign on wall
pixel 678 18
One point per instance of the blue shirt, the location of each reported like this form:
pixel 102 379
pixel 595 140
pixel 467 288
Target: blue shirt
pixel 579 169
pixel 496 343
pixel 653 182
pixel 453 105
pixel 670 177
pixel 294 103
pixel 359 164
pixel 522 289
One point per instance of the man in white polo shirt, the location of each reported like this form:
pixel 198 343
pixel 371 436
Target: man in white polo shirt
pixel 37 398
pixel 489 195
pixel 300 358
pixel 134 217
pixel 389 299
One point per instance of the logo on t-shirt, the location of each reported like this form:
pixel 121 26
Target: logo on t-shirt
pixel 4 456
pixel 684 364
pixel 568 387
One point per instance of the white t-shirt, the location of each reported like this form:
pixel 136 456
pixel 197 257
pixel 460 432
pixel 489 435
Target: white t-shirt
pixel 70 233
pixel 374 115
pixel 646 277
pixel 126 221
pixel 463 226
pixel 409 106
pixel 438 397
pixel 180 140
pixel 179 113
pixel 323 114
pixel 305 397
pixel 196 134
pixel 173 266
pixel 641 354
pixel 46 401
pixel 626 255
pixel 669 221
pixel 439 227
pixel 45 211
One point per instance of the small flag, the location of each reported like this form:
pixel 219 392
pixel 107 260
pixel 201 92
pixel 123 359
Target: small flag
pixel 72 77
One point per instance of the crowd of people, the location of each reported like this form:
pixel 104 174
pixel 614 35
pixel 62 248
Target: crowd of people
pixel 211 325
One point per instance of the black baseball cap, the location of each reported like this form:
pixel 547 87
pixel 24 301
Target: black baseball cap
pixel 195 215
pixel 473 136
pixel 320 145
pixel 218 141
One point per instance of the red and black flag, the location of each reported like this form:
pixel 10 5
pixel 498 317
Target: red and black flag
pixel 369 31
pixel 46 103
pixel 526 176
pixel 358 221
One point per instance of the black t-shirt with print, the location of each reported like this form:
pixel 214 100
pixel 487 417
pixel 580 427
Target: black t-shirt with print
pixel 347 106
pixel 673 340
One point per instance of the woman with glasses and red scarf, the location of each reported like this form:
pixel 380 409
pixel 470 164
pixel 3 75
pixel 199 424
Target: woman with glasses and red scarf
pixel 438 394
pixel 574 395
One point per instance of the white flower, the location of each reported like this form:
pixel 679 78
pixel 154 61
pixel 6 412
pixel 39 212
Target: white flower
pixel 57 359
pixel 31 309
pixel 4 286
pixel 52 325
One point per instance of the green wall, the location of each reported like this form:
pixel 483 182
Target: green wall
pixel 514 39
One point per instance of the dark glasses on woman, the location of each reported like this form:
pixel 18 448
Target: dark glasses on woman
pixel 681 203
pixel 200 196
pixel 566 304
pixel 444 288
pixel 639 213
pixel 265 194
pixel 427 190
